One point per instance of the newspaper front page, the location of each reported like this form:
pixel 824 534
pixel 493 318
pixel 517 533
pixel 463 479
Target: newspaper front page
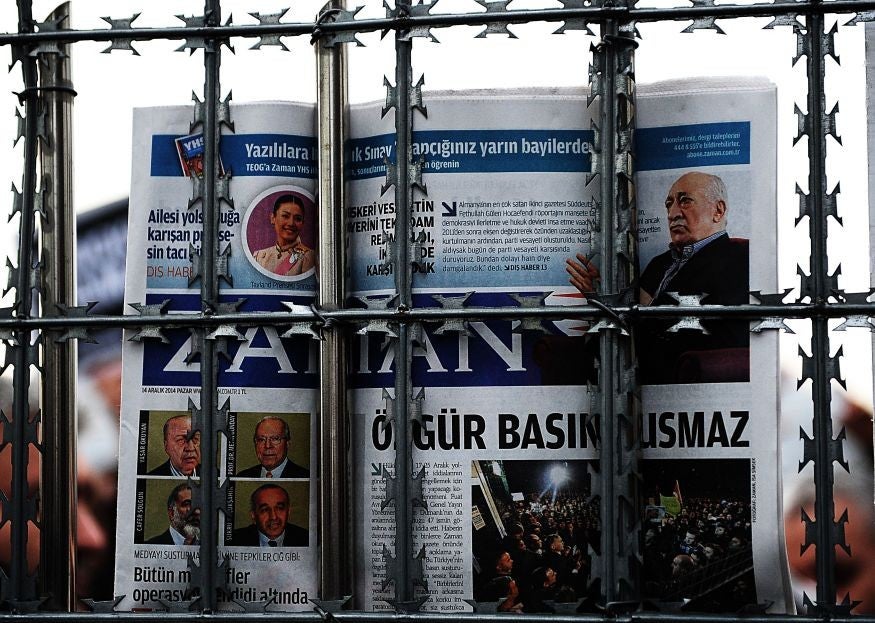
pixel 270 384
pixel 508 439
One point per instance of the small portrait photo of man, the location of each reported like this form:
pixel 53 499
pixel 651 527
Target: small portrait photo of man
pixel 271 514
pixel 280 231
pixel 172 448
pixel 169 517
pixel 273 446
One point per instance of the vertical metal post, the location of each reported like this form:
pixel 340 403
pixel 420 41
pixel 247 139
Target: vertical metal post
pixel 615 244
pixel 403 439
pixel 19 587
pixel 58 482
pixel 334 470
pixel 824 505
pixel 210 304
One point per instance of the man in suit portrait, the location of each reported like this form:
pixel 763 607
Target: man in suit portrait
pixel 701 259
pixel 269 512
pixel 183 449
pixel 271 440
pixel 184 528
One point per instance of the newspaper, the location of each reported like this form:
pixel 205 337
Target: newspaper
pixel 508 440
pixel 267 457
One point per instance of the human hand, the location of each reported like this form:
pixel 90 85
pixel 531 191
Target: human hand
pixel 584 273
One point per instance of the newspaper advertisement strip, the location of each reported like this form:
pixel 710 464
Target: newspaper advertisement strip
pixel 270 383
pixel 509 438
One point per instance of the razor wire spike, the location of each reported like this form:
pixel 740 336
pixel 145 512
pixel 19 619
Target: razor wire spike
pixel 195 260
pixel 390 568
pixel 829 124
pixel 147 333
pixel 193 43
pixel 39 198
pixel 807 287
pixel 101 606
pixel 595 81
pixel 828 44
pixel 17 202
pixel 495 6
pixel 414 175
pixel 789 19
pixel 415 491
pixel 485 607
pixel 415 97
pixel 833 367
pixel 80 333
pixel 21 127
pixel 124 43
pixel 199 113
pixel 197 191
pixel 48 47
pixel 183 605
pixel 7 335
pixel 326 607
pixel 415 406
pixel 577 23
pixel 338 15
pixel 688 322
pixel 377 326
pixel 391 97
pixel 830 200
pixel 860 17
pixel 414 250
pixel 802 123
pixel 391 176
pixel 704 23
pixel 228 331
pixel 223 113
pixel 530 301
pixel 221 264
pixel 271 39
pixel 856 322
pixel 453 325
pixel 7 435
pixel 806 202
pixel 388 411
pixel 772 323
pixel 255 606
pixel 196 346
pixel 803 46
pixel 391 488
pixel 196 415
pixel 408 607
pixel 401 11
pixel 302 327
pixel 223 190
pixel 417 570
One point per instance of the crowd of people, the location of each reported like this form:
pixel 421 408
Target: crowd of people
pixel 703 536
pixel 543 557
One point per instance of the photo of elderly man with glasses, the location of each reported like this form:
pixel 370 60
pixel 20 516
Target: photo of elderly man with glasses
pixel 271 440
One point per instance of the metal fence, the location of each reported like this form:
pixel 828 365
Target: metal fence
pixel 40 328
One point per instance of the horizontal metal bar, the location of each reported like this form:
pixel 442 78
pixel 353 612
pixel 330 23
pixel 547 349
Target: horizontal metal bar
pixel 430 617
pixel 752 312
pixel 442 20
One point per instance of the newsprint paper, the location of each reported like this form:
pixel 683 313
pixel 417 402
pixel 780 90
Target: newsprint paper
pixel 507 441
pixel 270 383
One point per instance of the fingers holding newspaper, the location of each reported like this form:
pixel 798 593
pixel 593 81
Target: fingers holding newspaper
pixel 584 273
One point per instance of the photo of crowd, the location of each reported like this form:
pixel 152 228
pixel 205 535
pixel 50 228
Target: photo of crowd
pixel 696 536
pixel 534 524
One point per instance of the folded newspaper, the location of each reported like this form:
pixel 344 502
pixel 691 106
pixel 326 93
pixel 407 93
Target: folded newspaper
pixel 509 435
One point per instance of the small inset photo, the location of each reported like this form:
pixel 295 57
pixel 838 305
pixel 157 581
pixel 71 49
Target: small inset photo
pixel 166 445
pixel 533 523
pixel 697 533
pixel 269 514
pixel 279 230
pixel 165 514
pixel 270 445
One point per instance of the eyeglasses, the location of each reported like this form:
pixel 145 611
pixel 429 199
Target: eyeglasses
pixel 273 439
